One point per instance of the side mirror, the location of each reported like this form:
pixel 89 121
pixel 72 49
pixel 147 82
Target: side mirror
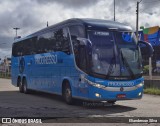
pixel 80 41
pixel 84 42
pixel 149 47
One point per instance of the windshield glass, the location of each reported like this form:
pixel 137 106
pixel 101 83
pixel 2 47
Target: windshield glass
pixel 115 54
pixel 102 51
pixel 129 52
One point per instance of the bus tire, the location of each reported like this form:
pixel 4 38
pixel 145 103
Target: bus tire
pixel 19 82
pixel 25 90
pixel 67 93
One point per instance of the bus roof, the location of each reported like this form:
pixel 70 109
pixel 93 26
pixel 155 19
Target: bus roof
pixel 85 21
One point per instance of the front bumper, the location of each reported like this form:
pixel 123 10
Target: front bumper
pixel 112 93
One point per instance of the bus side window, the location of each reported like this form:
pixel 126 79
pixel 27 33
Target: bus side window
pixel 58 36
pixel 43 43
pixel 15 49
pixel 33 45
pixel 79 52
pixel 18 49
pixel 75 32
pixel 61 41
pixel 66 47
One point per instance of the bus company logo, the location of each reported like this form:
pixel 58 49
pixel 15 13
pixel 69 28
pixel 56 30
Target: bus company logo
pixel 120 84
pixel 45 59
pixel 121 89
pixel 21 65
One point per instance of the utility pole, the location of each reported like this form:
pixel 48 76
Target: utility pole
pixel 16 30
pixel 47 23
pixel 137 21
pixel 114 10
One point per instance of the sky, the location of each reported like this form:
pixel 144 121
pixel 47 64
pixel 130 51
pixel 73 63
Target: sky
pixel 32 15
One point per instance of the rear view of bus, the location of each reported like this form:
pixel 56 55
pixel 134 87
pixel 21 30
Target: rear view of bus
pixel 105 63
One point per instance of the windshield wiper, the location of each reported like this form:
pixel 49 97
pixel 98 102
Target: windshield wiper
pixel 127 65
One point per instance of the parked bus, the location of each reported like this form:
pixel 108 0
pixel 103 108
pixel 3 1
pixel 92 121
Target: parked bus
pixel 89 59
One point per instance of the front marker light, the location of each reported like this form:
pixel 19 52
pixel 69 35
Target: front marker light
pixel 139 94
pixel 97 95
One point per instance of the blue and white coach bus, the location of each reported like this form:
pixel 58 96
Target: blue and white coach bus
pixel 89 59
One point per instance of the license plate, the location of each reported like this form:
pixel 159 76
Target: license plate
pixel 121 95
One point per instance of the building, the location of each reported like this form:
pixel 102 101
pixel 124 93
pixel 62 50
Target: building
pixel 151 35
pixel 5 65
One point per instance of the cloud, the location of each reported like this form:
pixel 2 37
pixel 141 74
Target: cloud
pixel 70 3
pixel 32 15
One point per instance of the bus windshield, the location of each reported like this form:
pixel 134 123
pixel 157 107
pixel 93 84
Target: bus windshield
pixel 115 54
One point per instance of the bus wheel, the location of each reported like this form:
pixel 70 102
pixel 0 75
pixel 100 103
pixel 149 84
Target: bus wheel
pixel 111 102
pixel 67 94
pixel 20 85
pixel 25 90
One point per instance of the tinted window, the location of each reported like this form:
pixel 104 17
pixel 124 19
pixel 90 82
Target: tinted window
pixel 54 41
pixel 17 49
pixel 51 41
pixel 125 38
pixel 58 36
pixel 43 43
pixel 25 47
pixel 77 31
pixel 82 61
pixel 29 46
pixel 80 54
pixel 66 41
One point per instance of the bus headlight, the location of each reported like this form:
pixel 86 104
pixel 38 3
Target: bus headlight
pixel 140 85
pixel 99 85
pixel 94 84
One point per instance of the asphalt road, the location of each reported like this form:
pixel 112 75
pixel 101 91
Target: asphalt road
pixel 15 104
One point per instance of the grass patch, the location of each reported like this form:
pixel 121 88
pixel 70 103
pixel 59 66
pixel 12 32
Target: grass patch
pixel 6 76
pixel 154 91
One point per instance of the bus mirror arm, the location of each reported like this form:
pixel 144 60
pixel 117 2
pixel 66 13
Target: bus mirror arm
pixel 149 46
pixel 81 41
pixel 84 41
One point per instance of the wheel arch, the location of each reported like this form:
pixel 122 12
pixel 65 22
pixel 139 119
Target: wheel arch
pixel 21 78
pixel 64 81
pixel 24 78
pixel 18 78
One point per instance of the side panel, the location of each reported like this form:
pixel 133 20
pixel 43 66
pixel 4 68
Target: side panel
pixel 46 72
pixel 14 70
